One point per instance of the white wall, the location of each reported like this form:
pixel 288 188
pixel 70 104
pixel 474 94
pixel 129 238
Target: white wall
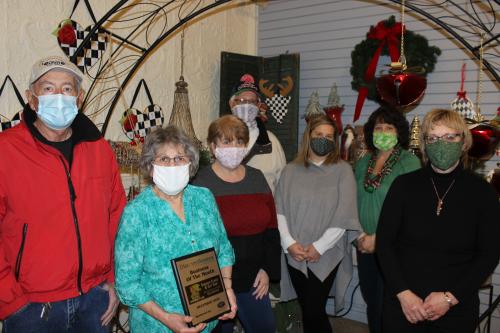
pixel 325 32
pixel 25 36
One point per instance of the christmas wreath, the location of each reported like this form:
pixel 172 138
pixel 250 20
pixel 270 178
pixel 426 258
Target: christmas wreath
pixel 385 39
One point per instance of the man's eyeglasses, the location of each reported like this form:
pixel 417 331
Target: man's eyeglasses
pixel 240 101
pixel 449 137
pixel 167 161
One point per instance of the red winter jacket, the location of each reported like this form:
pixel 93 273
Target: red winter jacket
pixel 57 224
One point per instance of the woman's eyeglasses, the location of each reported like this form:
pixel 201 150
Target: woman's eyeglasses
pixel 167 161
pixel 449 137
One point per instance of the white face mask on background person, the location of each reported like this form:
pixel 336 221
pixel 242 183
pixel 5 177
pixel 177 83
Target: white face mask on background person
pixel 246 112
pixel 171 180
pixel 230 157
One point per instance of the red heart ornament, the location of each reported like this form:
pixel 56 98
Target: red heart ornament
pixel 401 89
pixel 485 139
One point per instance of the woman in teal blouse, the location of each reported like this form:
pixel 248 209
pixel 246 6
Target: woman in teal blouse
pixel 387 137
pixel 167 220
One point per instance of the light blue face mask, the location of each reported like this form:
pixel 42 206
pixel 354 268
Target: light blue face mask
pixel 57 111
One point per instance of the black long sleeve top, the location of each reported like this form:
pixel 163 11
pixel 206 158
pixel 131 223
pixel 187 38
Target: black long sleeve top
pixel 455 251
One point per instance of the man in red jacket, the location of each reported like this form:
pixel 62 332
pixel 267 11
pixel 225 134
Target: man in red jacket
pixel 61 198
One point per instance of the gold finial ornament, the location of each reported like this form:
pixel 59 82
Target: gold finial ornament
pixel 414 136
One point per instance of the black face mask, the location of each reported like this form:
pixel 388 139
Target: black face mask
pixel 322 146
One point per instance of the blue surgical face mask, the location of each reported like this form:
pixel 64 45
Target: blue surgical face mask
pixel 57 111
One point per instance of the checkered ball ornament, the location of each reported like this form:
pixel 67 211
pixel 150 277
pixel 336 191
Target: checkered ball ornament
pixel 464 106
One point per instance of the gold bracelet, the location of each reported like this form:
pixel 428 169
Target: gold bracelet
pixel 227 277
pixel 447 298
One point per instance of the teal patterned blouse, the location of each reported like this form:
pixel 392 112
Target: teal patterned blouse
pixel 370 204
pixel 149 235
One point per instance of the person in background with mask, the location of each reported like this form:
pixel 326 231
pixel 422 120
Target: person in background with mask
pixel 437 236
pixel 249 214
pixel 264 151
pixel 387 136
pixel 167 220
pixel 61 198
pixel 318 221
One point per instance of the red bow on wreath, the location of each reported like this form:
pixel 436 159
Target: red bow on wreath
pixel 385 35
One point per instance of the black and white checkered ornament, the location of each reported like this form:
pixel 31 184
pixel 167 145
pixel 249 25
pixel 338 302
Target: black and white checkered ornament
pixel 279 106
pixel 91 52
pixel 6 124
pixel 464 106
pixel 151 118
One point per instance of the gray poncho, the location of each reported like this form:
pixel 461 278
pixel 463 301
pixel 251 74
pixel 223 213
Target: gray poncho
pixel 314 199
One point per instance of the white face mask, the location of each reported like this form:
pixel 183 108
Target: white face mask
pixel 230 157
pixel 247 113
pixel 171 179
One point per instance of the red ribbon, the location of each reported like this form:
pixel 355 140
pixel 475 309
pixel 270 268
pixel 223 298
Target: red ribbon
pixel 385 35
pixel 462 94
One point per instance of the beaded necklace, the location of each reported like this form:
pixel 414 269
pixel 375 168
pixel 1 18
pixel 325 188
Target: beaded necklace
pixel 372 182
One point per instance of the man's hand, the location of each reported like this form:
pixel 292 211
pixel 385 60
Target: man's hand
pixel 112 305
pixel 312 255
pixel 297 251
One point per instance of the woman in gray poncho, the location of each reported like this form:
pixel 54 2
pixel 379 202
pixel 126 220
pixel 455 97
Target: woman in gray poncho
pixel 317 220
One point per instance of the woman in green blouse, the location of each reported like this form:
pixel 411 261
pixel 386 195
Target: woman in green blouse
pixel 387 137
pixel 169 219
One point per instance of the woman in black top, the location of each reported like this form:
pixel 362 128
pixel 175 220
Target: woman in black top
pixel 437 236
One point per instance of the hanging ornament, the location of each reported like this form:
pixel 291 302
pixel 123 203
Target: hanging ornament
pixel 70 35
pixel 485 136
pixel 137 124
pixel 313 107
pixel 462 104
pixel 333 108
pixel 402 87
pixel 181 114
pixel 277 96
pixel 414 145
pixel 5 122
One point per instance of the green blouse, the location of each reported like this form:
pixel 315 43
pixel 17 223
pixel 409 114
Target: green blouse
pixel 149 236
pixel 370 204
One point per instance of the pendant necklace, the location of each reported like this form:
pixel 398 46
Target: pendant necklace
pixel 440 199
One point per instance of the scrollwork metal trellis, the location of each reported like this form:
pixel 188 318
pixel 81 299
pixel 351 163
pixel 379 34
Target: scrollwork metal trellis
pixel 147 23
